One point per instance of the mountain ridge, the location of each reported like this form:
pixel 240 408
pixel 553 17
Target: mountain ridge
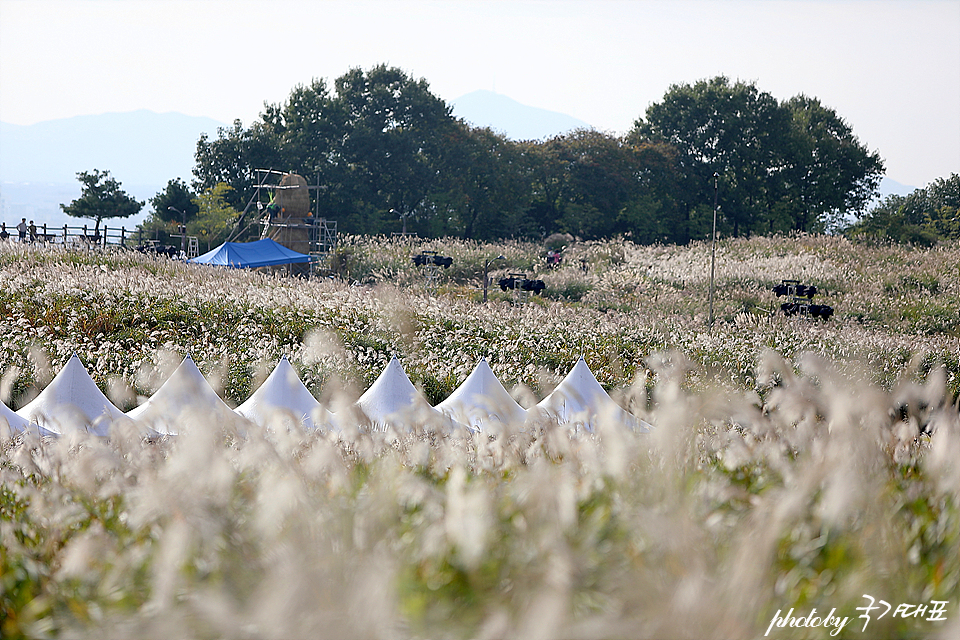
pixel 137 147
pixel 517 121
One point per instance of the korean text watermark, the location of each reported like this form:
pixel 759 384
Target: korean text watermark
pixel 934 611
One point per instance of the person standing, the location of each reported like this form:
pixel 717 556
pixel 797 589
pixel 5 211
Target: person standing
pixel 33 231
pixel 22 229
pixel 4 234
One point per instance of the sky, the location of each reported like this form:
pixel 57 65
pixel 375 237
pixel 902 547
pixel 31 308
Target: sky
pixel 890 68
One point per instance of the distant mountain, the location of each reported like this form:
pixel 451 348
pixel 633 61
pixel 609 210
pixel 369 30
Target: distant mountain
pixel 512 119
pixel 890 187
pixel 137 147
pixel 143 150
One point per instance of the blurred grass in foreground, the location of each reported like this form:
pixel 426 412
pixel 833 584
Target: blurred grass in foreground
pixel 795 464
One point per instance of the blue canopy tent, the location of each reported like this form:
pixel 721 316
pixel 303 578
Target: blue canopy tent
pixel 248 255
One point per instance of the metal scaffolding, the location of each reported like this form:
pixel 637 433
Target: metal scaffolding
pixel 320 233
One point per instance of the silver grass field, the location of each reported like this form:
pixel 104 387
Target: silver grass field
pixel 794 464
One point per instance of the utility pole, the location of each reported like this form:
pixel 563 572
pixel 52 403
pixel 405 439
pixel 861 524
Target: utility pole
pixel 713 242
pixel 486 267
pixel 183 229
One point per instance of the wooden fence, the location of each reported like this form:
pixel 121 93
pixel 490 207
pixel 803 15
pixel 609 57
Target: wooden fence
pixel 86 237
pixel 81 236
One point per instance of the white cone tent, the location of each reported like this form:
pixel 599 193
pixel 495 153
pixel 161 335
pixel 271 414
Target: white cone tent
pixel 16 424
pixel 184 399
pixel 393 401
pixel 579 400
pixel 72 400
pixel 482 401
pixel 283 393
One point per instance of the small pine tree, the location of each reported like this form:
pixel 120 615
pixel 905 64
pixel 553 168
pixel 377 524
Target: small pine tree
pixel 101 198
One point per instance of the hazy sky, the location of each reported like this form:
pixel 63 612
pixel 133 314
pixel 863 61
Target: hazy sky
pixel 891 68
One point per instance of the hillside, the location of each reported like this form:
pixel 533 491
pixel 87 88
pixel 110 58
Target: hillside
pixel 793 463
pixel 892 305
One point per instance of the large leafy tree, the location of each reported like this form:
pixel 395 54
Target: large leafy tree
pixel 582 181
pixel 306 129
pixel 484 190
pixel 653 213
pixel 377 145
pixel 101 198
pixel 603 176
pixel 730 129
pixel 592 184
pixel 828 173
pixel 394 130
pixel 780 166
pixel 942 215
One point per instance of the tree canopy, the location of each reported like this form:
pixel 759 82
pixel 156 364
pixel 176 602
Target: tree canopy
pixel 174 203
pixel 924 217
pixel 215 218
pixel 828 174
pixel 101 198
pixel 785 166
pixel 388 155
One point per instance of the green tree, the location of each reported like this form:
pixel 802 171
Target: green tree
pixel 101 198
pixel 164 220
pixel 923 217
pixel 484 191
pixel 377 145
pixel 603 176
pixel 942 215
pixel 216 217
pixel 390 151
pixel 592 184
pixel 782 166
pixel 305 128
pixel 232 157
pixel 731 129
pixel 829 174
pixel 653 214
pixel 177 197
pixel 308 128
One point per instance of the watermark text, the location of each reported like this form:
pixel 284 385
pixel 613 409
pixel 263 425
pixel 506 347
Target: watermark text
pixel 934 611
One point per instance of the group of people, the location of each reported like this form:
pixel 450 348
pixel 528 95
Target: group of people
pixel 24 230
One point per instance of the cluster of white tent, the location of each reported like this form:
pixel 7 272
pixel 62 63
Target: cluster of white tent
pixel 73 401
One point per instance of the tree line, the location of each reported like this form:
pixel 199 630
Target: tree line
pixel 929 215
pixel 388 154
